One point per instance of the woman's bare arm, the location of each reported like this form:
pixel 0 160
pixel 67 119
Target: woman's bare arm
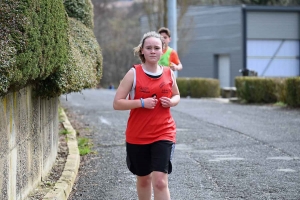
pixel 121 102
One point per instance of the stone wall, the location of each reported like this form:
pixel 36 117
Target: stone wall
pixel 28 141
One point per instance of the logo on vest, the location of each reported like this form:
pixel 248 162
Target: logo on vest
pixel 165 91
pixel 162 84
pixel 144 90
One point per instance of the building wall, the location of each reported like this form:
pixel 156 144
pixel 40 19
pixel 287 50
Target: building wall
pixel 216 30
pixel 273 25
pixel 28 142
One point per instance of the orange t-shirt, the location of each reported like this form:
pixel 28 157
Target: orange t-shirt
pixel 144 125
pixel 173 56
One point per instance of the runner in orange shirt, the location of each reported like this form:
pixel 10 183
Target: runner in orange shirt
pixel 170 57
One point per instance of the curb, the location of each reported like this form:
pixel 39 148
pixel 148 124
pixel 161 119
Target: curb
pixel 64 185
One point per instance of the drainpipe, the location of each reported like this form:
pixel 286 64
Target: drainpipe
pixel 172 23
pixel 244 35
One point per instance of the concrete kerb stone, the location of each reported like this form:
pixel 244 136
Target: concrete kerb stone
pixel 64 185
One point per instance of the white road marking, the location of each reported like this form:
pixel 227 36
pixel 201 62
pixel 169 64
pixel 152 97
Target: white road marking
pixel 283 158
pixel 286 170
pixel 104 121
pixel 226 159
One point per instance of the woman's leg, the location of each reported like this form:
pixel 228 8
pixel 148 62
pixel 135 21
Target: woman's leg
pixel 143 186
pixel 160 186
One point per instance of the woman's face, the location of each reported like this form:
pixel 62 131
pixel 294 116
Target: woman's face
pixel 152 49
pixel 167 39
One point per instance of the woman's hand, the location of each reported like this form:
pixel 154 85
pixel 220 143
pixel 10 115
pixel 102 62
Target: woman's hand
pixel 165 102
pixel 173 66
pixel 150 102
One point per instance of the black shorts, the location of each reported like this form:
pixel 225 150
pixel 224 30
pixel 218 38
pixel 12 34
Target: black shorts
pixel 144 159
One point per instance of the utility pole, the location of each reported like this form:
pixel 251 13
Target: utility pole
pixel 172 23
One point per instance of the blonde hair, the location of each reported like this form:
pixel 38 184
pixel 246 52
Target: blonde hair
pixel 138 49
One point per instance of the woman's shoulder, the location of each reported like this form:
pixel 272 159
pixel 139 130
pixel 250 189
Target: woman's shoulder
pixel 137 66
pixel 167 70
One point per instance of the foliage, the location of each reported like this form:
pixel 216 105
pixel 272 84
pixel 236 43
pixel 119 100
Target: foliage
pixel 293 91
pixel 84 146
pixel 256 89
pixel 280 104
pixel 280 89
pixel 41 46
pixel 81 10
pixel 204 87
pixel 64 132
pixel 84 68
pixel 198 87
pixel 269 90
pixel 183 86
pixel 33 39
pixel 60 114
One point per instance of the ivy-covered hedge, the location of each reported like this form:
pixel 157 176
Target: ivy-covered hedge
pixel 41 45
pixel 34 41
pixel 84 67
pixel 82 10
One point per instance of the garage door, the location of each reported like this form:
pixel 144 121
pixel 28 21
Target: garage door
pixel 273 58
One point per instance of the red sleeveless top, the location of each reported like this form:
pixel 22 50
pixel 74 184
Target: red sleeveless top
pixel 144 125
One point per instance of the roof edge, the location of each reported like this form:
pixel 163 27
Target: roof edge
pixel 271 8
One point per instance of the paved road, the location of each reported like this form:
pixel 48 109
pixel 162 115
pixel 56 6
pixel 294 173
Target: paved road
pixel 223 151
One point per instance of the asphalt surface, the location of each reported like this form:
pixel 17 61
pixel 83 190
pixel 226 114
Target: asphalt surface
pixel 224 150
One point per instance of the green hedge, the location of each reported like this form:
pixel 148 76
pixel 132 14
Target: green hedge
pixel 84 68
pixel 34 41
pixel 280 90
pixel 82 10
pixel 198 87
pixel 41 45
pixel 269 90
pixel 183 86
pixel 254 89
pixel 293 91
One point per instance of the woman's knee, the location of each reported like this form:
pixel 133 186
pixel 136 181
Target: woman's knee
pixel 160 181
pixel 144 181
pixel 160 184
